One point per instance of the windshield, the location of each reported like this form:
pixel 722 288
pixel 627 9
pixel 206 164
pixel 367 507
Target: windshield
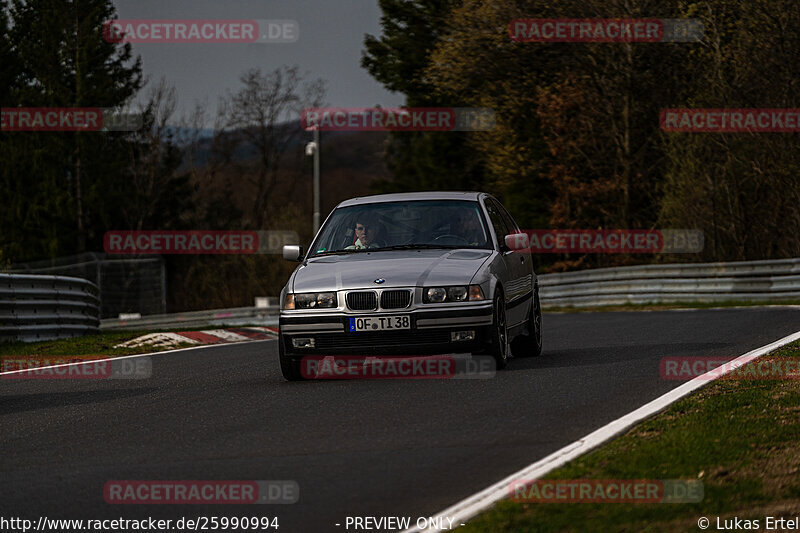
pixel 400 225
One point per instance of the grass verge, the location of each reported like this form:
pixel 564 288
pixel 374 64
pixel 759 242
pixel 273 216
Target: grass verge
pixel 741 438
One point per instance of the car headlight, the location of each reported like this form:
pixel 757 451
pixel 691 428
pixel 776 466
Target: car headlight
pixel 435 295
pixel 310 300
pixel 326 299
pixel 458 293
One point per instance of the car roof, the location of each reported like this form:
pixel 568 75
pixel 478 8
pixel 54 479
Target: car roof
pixel 408 196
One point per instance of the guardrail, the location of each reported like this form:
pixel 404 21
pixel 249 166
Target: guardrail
pixel 266 315
pixel 777 280
pixel 758 281
pixel 37 308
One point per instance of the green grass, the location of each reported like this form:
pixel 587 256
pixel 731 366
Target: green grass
pixel 740 438
pixel 101 344
pixel 664 306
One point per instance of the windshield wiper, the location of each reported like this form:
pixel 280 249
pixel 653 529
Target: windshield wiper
pixel 335 252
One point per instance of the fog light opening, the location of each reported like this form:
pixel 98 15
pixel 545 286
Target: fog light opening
pixel 303 342
pixel 456 336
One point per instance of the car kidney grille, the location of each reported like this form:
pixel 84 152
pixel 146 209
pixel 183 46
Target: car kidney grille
pixel 362 301
pixel 395 299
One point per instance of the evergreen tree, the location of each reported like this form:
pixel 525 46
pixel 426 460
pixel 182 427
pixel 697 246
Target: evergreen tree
pixel 398 59
pixel 63 185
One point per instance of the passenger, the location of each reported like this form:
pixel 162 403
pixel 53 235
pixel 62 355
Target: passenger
pixel 469 228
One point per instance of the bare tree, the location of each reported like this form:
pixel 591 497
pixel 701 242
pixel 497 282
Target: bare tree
pixel 264 112
pixel 149 154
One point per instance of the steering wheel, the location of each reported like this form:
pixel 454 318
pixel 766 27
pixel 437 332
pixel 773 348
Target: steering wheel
pixel 458 238
pixel 377 243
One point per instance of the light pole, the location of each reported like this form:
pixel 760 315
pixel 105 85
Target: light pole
pixel 312 149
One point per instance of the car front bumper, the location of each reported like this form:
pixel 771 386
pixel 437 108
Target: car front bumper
pixel 430 332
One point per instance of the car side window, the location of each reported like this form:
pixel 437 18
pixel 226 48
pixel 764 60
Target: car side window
pixel 496 218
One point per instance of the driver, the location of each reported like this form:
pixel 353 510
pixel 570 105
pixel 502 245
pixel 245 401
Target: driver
pixel 367 229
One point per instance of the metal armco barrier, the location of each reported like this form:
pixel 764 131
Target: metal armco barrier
pixel 263 316
pixel 757 281
pixel 37 308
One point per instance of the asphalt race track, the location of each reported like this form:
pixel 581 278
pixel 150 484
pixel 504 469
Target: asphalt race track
pixel 357 448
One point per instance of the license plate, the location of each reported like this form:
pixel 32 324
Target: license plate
pixel 380 323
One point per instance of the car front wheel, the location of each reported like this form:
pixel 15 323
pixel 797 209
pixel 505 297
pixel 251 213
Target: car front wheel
pixel 499 349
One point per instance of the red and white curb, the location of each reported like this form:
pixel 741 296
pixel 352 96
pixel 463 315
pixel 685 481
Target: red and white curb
pixel 211 336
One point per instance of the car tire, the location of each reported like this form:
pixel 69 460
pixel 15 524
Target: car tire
pixel 531 345
pixel 499 347
pixel 290 366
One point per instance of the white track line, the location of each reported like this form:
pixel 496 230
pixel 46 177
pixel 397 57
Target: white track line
pixel 111 357
pixel 480 501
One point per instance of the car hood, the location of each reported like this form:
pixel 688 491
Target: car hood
pixel 401 268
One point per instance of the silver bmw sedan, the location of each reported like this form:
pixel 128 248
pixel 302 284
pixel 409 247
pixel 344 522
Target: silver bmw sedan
pixel 414 274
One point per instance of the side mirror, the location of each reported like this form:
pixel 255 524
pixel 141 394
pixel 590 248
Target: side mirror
pixel 293 252
pixel 517 241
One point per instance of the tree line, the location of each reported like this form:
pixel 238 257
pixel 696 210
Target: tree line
pixel 62 191
pixel 578 142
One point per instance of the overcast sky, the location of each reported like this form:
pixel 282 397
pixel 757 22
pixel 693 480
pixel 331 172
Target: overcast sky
pixel 329 47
